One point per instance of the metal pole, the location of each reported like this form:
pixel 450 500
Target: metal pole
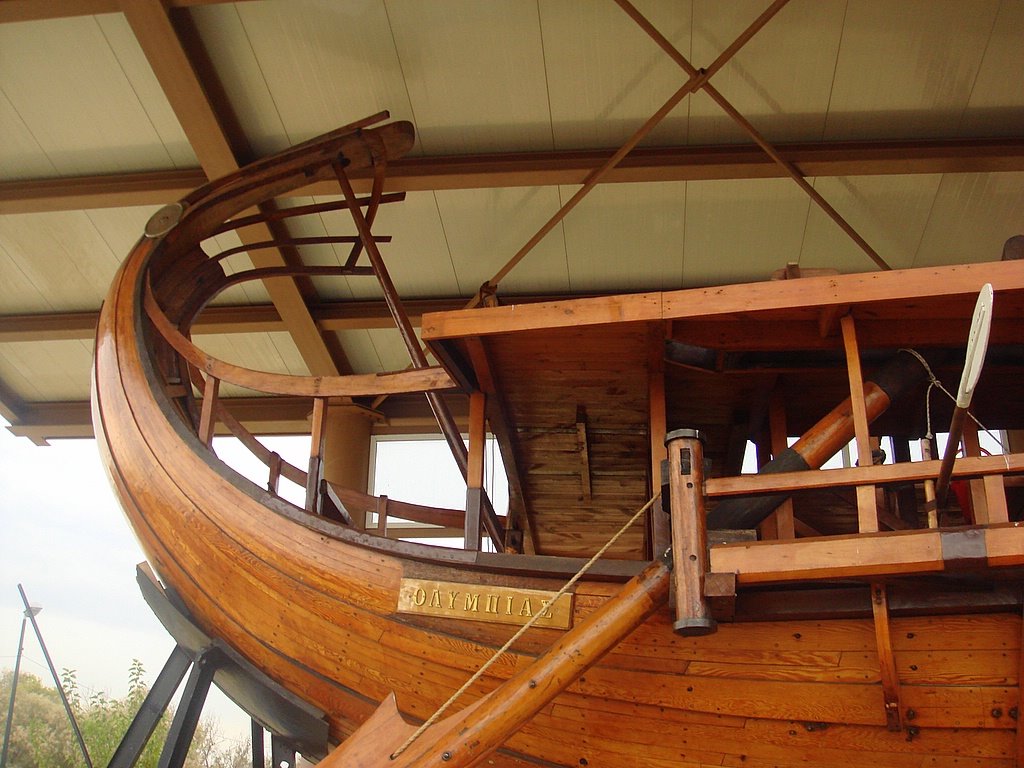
pixel 14 690
pixel 56 679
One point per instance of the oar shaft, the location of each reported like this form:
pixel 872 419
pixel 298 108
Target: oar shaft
pixel 956 431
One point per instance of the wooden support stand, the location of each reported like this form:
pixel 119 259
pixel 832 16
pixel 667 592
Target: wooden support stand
pixel 689 532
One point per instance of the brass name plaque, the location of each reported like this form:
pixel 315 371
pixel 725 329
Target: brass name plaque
pixel 482 603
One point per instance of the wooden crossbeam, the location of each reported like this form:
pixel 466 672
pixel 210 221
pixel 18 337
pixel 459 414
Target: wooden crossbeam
pixel 870 556
pixel 908 472
pixel 561 168
pixel 809 294
pixel 42 421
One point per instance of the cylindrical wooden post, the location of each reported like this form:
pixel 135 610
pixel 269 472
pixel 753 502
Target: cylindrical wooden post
pixel 689 532
pixel 346 449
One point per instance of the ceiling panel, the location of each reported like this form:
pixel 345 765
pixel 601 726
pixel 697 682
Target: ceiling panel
pixel 311 65
pixel 484 228
pixel 417 258
pixel 21 157
pixel 47 370
pixel 359 351
pixel 996 107
pixel 61 261
pixel 784 96
pixel 621 226
pixel 973 216
pixel 740 231
pixel 890 212
pixel 239 75
pixel 605 83
pixel 80 94
pixel 475 74
pixel 143 82
pixel 907 68
pixel 390 349
pixel 272 352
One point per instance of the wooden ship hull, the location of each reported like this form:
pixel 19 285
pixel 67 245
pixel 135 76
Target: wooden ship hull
pixel 900 648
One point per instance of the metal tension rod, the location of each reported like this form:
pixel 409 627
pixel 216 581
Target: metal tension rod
pixel 444 417
pixel 697 80
pixel 791 170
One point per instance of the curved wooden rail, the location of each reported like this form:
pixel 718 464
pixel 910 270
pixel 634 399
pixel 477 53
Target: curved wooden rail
pixel 413 380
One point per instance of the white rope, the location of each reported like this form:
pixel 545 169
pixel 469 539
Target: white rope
pixel 522 630
pixel 934 382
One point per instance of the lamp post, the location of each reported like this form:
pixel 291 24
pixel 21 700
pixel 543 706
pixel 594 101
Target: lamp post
pixel 32 610
pixel 31 616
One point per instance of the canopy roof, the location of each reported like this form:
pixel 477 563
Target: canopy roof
pixel 904 116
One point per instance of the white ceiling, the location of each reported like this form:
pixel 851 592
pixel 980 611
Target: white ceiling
pixel 79 96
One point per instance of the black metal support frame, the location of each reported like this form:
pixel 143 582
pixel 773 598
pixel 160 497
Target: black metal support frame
pixel 153 707
pixel 294 726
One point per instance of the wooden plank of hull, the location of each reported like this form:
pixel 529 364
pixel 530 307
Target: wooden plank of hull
pixel 316 614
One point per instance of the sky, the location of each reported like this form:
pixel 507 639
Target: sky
pixel 66 541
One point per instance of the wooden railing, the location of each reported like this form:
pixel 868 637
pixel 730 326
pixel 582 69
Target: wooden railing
pixel 993 540
pixel 187 269
pixel 343 505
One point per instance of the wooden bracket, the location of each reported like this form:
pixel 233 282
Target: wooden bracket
pixel 886 661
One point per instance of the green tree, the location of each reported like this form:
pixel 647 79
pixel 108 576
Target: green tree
pixel 41 735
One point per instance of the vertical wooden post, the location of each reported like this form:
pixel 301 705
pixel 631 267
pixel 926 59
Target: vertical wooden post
pixel 316 449
pixel 905 495
pixel 1019 745
pixel 382 515
pixel 657 519
pixel 207 418
pixel 927 454
pixel 274 480
pixel 867 510
pixel 886 661
pixel 780 524
pixel 689 532
pixel 475 470
pixel 972 447
pixel 347 436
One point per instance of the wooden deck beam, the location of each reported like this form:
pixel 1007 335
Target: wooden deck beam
pixel 807 294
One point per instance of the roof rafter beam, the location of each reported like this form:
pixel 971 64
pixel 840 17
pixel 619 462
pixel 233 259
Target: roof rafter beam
pixel 184 89
pixel 245 318
pixel 530 169
pixel 39 10
pixel 404 414
pixel 790 169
